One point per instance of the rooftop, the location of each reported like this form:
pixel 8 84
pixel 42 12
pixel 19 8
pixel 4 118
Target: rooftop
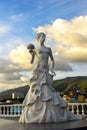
pixel 9 123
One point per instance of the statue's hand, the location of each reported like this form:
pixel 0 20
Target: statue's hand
pixel 31 51
pixel 31 48
pixel 53 72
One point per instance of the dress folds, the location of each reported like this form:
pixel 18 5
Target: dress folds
pixel 42 104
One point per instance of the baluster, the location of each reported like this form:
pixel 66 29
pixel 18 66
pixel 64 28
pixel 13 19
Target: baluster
pixel 69 107
pixel 83 113
pixel 77 109
pixel 14 110
pixel 0 110
pixel 72 108
pixel 85 109
pixel 3 110
pixel 7 108
pixel 18 110
pixel 21 108
pixel 10 110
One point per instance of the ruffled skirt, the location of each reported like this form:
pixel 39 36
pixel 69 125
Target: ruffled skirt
pixel 46 107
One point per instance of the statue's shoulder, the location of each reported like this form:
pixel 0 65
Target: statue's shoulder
pixel 48 48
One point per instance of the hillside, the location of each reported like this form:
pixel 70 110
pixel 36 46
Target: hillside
pixel 20 91
pixel 63 85
pixel 69 83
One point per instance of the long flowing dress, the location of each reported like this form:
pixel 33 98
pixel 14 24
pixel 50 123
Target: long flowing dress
pixel 42 104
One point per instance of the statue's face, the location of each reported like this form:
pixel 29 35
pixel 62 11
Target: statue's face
pixel 42 39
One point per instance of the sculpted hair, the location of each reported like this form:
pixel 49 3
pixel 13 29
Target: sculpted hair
pixel 39 35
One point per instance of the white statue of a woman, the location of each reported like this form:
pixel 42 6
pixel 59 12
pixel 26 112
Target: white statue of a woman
pixel 42 104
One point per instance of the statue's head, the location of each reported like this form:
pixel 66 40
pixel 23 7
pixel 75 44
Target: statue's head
pixel 41 37
pixel 30 47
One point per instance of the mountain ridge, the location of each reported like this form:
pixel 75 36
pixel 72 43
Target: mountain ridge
pixel 61 85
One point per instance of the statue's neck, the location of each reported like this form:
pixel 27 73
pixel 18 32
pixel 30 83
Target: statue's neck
pixel 42 44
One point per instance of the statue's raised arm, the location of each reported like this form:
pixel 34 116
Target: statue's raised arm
pixel 31 49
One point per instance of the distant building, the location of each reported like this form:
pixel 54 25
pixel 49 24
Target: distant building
pixel 16 95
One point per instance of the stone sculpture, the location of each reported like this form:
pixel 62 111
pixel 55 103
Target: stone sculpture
pixel 42 104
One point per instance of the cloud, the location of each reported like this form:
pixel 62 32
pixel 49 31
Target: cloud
pixel 75 54
pixel 17 60
pixel 10 85
pixel 70 38
pixel 14 69
pixel 6 66
pixel 62 65
pixel 4 29
pixel 13 42
pixel 0 49
pixel 11 75
pixel 21 57
pixel 17 17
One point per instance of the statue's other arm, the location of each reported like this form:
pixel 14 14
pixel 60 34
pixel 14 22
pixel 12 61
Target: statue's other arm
pixel 33 57
pixel 53 62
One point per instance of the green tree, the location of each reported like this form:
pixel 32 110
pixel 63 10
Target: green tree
pixel 84 87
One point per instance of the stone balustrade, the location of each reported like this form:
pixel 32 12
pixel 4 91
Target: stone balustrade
pixel 15 110
pixel 78 108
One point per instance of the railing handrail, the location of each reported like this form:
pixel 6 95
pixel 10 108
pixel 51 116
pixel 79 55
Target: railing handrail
pixel 23 105
pixel 14 110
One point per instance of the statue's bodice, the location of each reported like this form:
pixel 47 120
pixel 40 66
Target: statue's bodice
pixel 42 55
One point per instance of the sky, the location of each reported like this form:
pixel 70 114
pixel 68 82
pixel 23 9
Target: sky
pixel 65 25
